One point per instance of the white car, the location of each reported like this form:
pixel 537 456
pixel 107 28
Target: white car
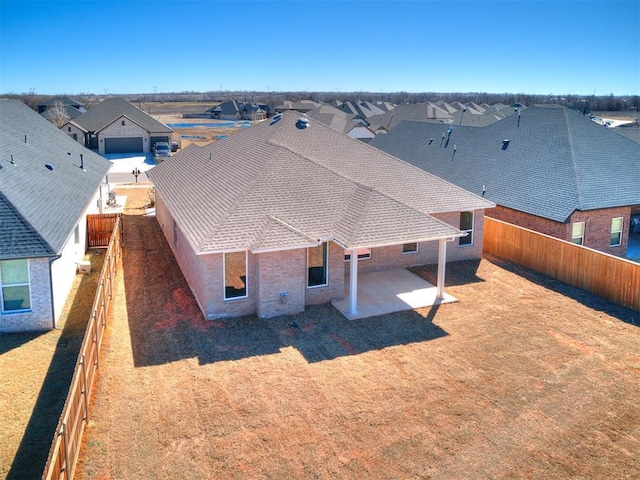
pixel 161 149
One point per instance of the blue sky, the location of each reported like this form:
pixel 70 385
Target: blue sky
pixel 134 46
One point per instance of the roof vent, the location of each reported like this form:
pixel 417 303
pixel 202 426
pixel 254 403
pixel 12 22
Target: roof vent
pixel 12 161
pixel 505 143
pixel 302 123
pixel 276 118
pixel 49 166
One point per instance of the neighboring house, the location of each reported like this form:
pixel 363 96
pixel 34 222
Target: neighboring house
pixel 48 184
pixel 117 126
pixel 410 111
pixel 347 123
pixel 301 106
pixel 547 168
pixel 260 222
pixel 236 111
pixel 362 109
pixel 61 109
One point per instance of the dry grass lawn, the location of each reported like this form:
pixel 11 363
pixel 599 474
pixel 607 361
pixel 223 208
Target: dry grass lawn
pixel 523 378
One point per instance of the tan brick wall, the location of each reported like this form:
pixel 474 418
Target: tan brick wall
pixel 190 264
pixel 280 272
pixel 217 306
pixel 597 226
pixel 335 287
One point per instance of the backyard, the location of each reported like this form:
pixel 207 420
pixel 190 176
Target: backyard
pixel 524 377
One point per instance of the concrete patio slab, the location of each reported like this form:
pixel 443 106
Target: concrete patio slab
pixel 380 293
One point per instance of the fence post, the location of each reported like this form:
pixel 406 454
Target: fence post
pixel 95 334
pixel 103 303
pixel 85 390
pixel 65 436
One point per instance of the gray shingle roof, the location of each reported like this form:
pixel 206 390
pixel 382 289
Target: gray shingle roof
pixel 556 161
pixel 111 109
pixel 275 186
pixel 39 207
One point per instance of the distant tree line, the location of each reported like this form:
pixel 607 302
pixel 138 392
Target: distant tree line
pixel 584 103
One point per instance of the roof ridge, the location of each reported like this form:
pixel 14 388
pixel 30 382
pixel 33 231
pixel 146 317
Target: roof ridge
pixel 572 154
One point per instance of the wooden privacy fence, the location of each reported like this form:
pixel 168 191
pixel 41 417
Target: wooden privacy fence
pixel 610 277
pixel 100 227
pixel 75 414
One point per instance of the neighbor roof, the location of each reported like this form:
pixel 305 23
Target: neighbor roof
pixel 275 186
pixel 554 162
pixel 39 207
pixel 110 109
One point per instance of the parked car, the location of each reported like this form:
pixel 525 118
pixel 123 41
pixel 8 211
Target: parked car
pixel 161 149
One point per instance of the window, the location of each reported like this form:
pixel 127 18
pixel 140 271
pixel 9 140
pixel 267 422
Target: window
pixel 577 233
pixel 123 123
pixel 410 247
pixel 616 232
pixel 235 275
pixel 68 129
pixel 466 225
pixel 317 262
pixel 14 280
pixel 363 254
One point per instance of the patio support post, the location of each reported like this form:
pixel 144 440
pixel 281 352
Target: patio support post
pixel 353 282
pixel 442 262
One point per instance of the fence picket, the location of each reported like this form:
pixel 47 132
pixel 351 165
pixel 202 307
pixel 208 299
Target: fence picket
pixel 607 276
pixel 64 451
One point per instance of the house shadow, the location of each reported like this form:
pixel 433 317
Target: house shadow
pixel 464 272
pixel 166 324
pixel 31 456
pixel 9 341
pixel 590 300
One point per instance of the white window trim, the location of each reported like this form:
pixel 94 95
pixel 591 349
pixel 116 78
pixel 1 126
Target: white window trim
pixel 618 231
pixel 470 231
pixel 22 310
pixel 224 278
pixel 326 261
pixel 412 252
pixel 584 228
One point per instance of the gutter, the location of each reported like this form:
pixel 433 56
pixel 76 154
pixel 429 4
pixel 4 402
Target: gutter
pixel 53 309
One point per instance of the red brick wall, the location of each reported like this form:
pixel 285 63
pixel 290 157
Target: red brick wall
pixel 597 230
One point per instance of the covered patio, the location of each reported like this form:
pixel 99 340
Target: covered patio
pixel 380 293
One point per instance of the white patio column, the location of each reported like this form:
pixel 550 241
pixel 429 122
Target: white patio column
pixel 353 282
pixel 442 262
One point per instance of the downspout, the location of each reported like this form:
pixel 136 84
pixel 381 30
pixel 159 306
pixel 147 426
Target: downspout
pixel 53 307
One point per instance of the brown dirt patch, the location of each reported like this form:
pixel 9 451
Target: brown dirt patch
pixel 523 378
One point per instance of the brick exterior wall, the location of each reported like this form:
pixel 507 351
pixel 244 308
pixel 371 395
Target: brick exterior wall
pixel 39 317
pixel 72 130
pixel 270 274
pixel 597 230
pixel 117 130
pixel 280 272
pixel 334 290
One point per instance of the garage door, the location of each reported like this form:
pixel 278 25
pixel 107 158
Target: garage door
pixel 123 145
